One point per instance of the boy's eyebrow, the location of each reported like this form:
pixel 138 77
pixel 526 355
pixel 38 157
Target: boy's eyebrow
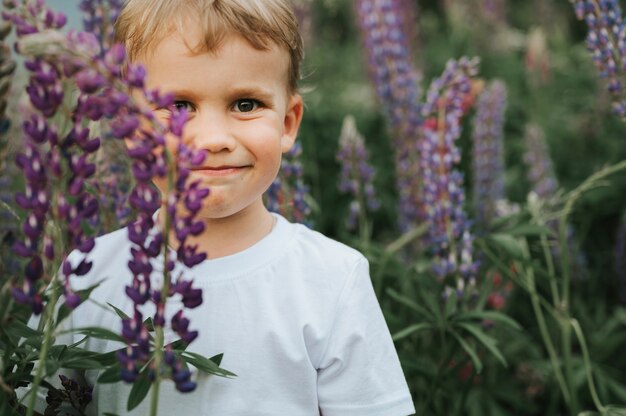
pixel 233 93
pixel 251 92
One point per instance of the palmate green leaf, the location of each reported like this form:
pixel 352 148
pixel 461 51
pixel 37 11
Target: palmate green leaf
pixel 139 391
pixel 489 315
pixel 205 364
pixel 411 329
pixel 478 365
pixel 488 341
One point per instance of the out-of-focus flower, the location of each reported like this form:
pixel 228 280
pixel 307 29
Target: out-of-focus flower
pixel 537 157
pixel 488 152
pixel 357 175
pixel 288 194
pixel 449 236
pixel 537 57
pixel 382 24
pixel 544 186
pixel 606 42
pixel 99 16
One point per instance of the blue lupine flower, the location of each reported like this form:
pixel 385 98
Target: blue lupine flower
pixel 606 42
pixel 288 194
pixel 357 175
pixel 449 234
pixel 488 151
pixel 382 24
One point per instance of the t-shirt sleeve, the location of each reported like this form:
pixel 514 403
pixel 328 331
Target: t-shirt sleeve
pixel 359 373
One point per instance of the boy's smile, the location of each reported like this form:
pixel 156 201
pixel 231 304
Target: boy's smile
pixel 240 111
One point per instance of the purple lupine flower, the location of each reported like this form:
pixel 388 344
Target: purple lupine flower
pixel 449 237
pixel 48 158
pixel 382 24
pixel 537 157
pixel 183 204
pixel 544 185
pixel 104 94
pixel 288 194
pixel 99 16
pixel 357 175
pixel 488 152
pixel 606 42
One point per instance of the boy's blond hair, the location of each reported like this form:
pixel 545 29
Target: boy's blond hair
pixel 144 23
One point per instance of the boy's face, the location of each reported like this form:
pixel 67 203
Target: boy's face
pixel 240 112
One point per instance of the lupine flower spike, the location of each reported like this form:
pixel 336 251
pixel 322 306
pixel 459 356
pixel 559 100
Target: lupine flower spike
pixel 391 69
pixel 488 152
pixel 606 42
pixel 357 175
pixel 104 95
pixel 449 234
pixel 288 195
pixel 544 186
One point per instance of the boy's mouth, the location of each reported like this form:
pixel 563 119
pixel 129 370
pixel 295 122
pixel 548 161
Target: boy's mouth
pixel 223 170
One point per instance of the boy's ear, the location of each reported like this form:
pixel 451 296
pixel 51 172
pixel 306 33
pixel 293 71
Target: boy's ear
pixel 293 117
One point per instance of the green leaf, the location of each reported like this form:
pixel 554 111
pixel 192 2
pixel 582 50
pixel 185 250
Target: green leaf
pixel 109 414
pixel 509 244
pixel 469 350
pixel 411 329
pixel 19 329
pixel 139 391
pixel 451 302
pixel 492 316
pixel 119 312
pixel 217 359
pixel 614 410
pixel 527 230
pixel 149 324
pixel 82 364
pixel 486 340
pixel 205 364
pixel 110 375
pixel 52 366
pixel 100 333
pixel 410 303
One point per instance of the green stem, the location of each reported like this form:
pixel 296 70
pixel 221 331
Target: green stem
pixel 551 272
pixel 583 346
pixel 543 327
pixel 43 353
pixel 159 340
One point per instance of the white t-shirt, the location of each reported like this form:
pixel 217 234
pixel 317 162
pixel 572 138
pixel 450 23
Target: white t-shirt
pixel 295 316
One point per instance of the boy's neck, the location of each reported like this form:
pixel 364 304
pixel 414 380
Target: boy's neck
pixel 229 235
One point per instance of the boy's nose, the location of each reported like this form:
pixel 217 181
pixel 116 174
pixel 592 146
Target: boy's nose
pixel 209 133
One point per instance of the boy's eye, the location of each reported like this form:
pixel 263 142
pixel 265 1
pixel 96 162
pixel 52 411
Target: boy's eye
pixel 246 105
pixel 182 105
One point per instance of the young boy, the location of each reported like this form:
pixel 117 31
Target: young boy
pixel 293 312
